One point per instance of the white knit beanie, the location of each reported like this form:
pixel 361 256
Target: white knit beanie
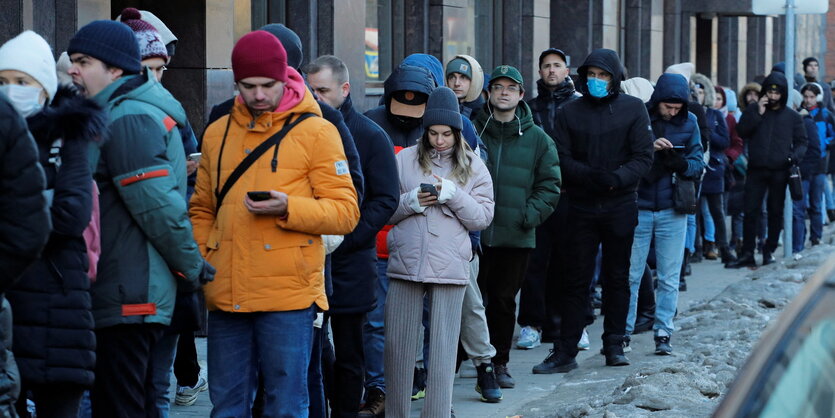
pixel 29 53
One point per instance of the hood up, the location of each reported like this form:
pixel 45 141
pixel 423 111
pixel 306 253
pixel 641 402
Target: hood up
pixel 670 88
pixel 777 79
pixel 710 91
pixel 607 60
pixel 428 62
pixel 477 81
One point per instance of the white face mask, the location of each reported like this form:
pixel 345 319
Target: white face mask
pixel 26 99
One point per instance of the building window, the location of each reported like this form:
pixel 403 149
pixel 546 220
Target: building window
pixel 377 42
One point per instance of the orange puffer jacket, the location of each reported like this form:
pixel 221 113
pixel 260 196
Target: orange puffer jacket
pixel 266 263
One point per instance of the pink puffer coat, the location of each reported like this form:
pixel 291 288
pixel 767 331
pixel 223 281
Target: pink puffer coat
pixel 433 246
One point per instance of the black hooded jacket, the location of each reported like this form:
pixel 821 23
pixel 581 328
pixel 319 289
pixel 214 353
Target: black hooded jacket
pixel 403 131
pixel 777 138
pixel 544 106
pixel 609 135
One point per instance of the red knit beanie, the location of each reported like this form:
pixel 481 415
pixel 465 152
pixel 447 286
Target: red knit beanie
pixel 259 54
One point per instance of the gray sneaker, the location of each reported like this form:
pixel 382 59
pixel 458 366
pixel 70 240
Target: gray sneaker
pixel 187 395
pixel 662 345
pixel 503 377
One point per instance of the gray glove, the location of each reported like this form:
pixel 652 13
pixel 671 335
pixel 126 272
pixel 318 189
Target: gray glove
pixel 207 273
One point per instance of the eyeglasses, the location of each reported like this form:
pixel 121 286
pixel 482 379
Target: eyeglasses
pixel 513 88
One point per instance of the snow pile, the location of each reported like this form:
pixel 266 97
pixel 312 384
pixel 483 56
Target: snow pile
pixel 713 340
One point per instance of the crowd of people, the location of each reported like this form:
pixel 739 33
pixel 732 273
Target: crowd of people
pixel 345 264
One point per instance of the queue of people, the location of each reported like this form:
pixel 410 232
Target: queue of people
pixel 351 262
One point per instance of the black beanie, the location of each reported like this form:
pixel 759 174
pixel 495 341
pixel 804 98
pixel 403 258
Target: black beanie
pixel 442 109
pixel 110 42
pixel 290 41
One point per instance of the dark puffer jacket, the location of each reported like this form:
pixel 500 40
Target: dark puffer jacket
pixel 353 264
pixel 610 135
pixel 544 106
pixel 714 179
pixel 655 191
pixel 24 229
pixel 53 325
pixel 525 168
pixel 777 137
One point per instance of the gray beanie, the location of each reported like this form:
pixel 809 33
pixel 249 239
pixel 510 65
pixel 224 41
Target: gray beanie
pixel 442 109
pixel 290 41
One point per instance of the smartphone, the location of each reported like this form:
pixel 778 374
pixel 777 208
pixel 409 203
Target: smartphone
pixel 429 188
pixel 195 157
pixel 259 196
pixel 678 147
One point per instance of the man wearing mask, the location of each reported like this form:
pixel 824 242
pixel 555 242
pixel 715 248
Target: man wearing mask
pixel 776 139
pixel 605 144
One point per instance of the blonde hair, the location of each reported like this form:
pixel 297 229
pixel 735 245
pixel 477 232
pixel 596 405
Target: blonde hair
pixel 461 170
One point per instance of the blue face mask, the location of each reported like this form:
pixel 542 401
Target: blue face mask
pixel 598 88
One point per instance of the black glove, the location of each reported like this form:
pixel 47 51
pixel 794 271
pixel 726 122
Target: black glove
pixel 207 273
pixel 604 179
pixel 674 161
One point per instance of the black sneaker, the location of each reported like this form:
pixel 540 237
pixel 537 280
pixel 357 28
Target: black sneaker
pixel 768 258
pixel 487 385
pixel 375 404
pixel 503 378
pixel 419 384
pixel 746 260
pixel 662 345
pixel 556 362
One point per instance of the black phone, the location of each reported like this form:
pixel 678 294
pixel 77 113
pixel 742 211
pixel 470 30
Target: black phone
pixel 259 196
pixel 429 188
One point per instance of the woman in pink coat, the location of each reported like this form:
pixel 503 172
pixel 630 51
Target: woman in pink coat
pixel 446 191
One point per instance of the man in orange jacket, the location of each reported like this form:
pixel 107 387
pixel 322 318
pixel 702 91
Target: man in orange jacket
pixel 267 246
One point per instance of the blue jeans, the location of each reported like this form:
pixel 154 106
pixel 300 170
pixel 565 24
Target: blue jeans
pixel 162 359
pixel 374 333
pixel 830 191
pixel 667 227
pixel 811 204
pixel 710 229
pixel 277 343
pixel 690 234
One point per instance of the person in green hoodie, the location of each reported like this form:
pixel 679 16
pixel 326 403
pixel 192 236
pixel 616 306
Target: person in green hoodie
pixel 525 168
pixel 146 237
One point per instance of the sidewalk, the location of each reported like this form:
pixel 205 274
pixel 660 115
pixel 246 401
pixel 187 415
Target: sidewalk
pixel 709 278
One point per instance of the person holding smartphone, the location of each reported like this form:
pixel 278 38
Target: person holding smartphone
pixel 446 191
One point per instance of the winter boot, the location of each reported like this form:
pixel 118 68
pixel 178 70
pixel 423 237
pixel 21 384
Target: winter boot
pixel 710 250
pixel 556 362
pixel 613 350
pixel 727 256
pixel 746 260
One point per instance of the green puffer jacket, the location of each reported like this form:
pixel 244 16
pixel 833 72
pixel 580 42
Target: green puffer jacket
pixel 526 177
pixel 146 236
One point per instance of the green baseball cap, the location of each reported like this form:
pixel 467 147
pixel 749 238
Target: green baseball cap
pixel 507 71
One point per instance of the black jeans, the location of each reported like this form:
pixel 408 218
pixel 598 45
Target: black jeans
pixel 716 207
pixel 547 264
pixel 500 276
pixel 759 182
pixel 186 367
pixel 348 367
pixel 590 227
pixel 58 400
pixel 124 379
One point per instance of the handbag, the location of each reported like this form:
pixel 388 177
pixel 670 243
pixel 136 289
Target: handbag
pixel 684 195
pixel 795 183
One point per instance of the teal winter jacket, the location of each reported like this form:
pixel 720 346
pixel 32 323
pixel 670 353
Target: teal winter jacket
pixel 146 236
pixel 525 168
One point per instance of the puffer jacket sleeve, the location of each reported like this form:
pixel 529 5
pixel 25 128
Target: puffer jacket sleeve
pixel 202 202
pixel 146 181
pixel 404 210
pixel 475 209
pixel 24 217
pixel 72 205
pixel 640 140
pixel 334 209
pixel 547 181
pixel 695 153
pixel 799 139
pixel 348 145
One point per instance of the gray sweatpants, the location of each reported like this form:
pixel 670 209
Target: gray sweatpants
pixel 474 334
pixel 404 310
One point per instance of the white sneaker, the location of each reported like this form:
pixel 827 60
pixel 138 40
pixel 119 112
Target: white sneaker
pixel 797 256
pixel 583 344
pixel 187 395
pixel 529 338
